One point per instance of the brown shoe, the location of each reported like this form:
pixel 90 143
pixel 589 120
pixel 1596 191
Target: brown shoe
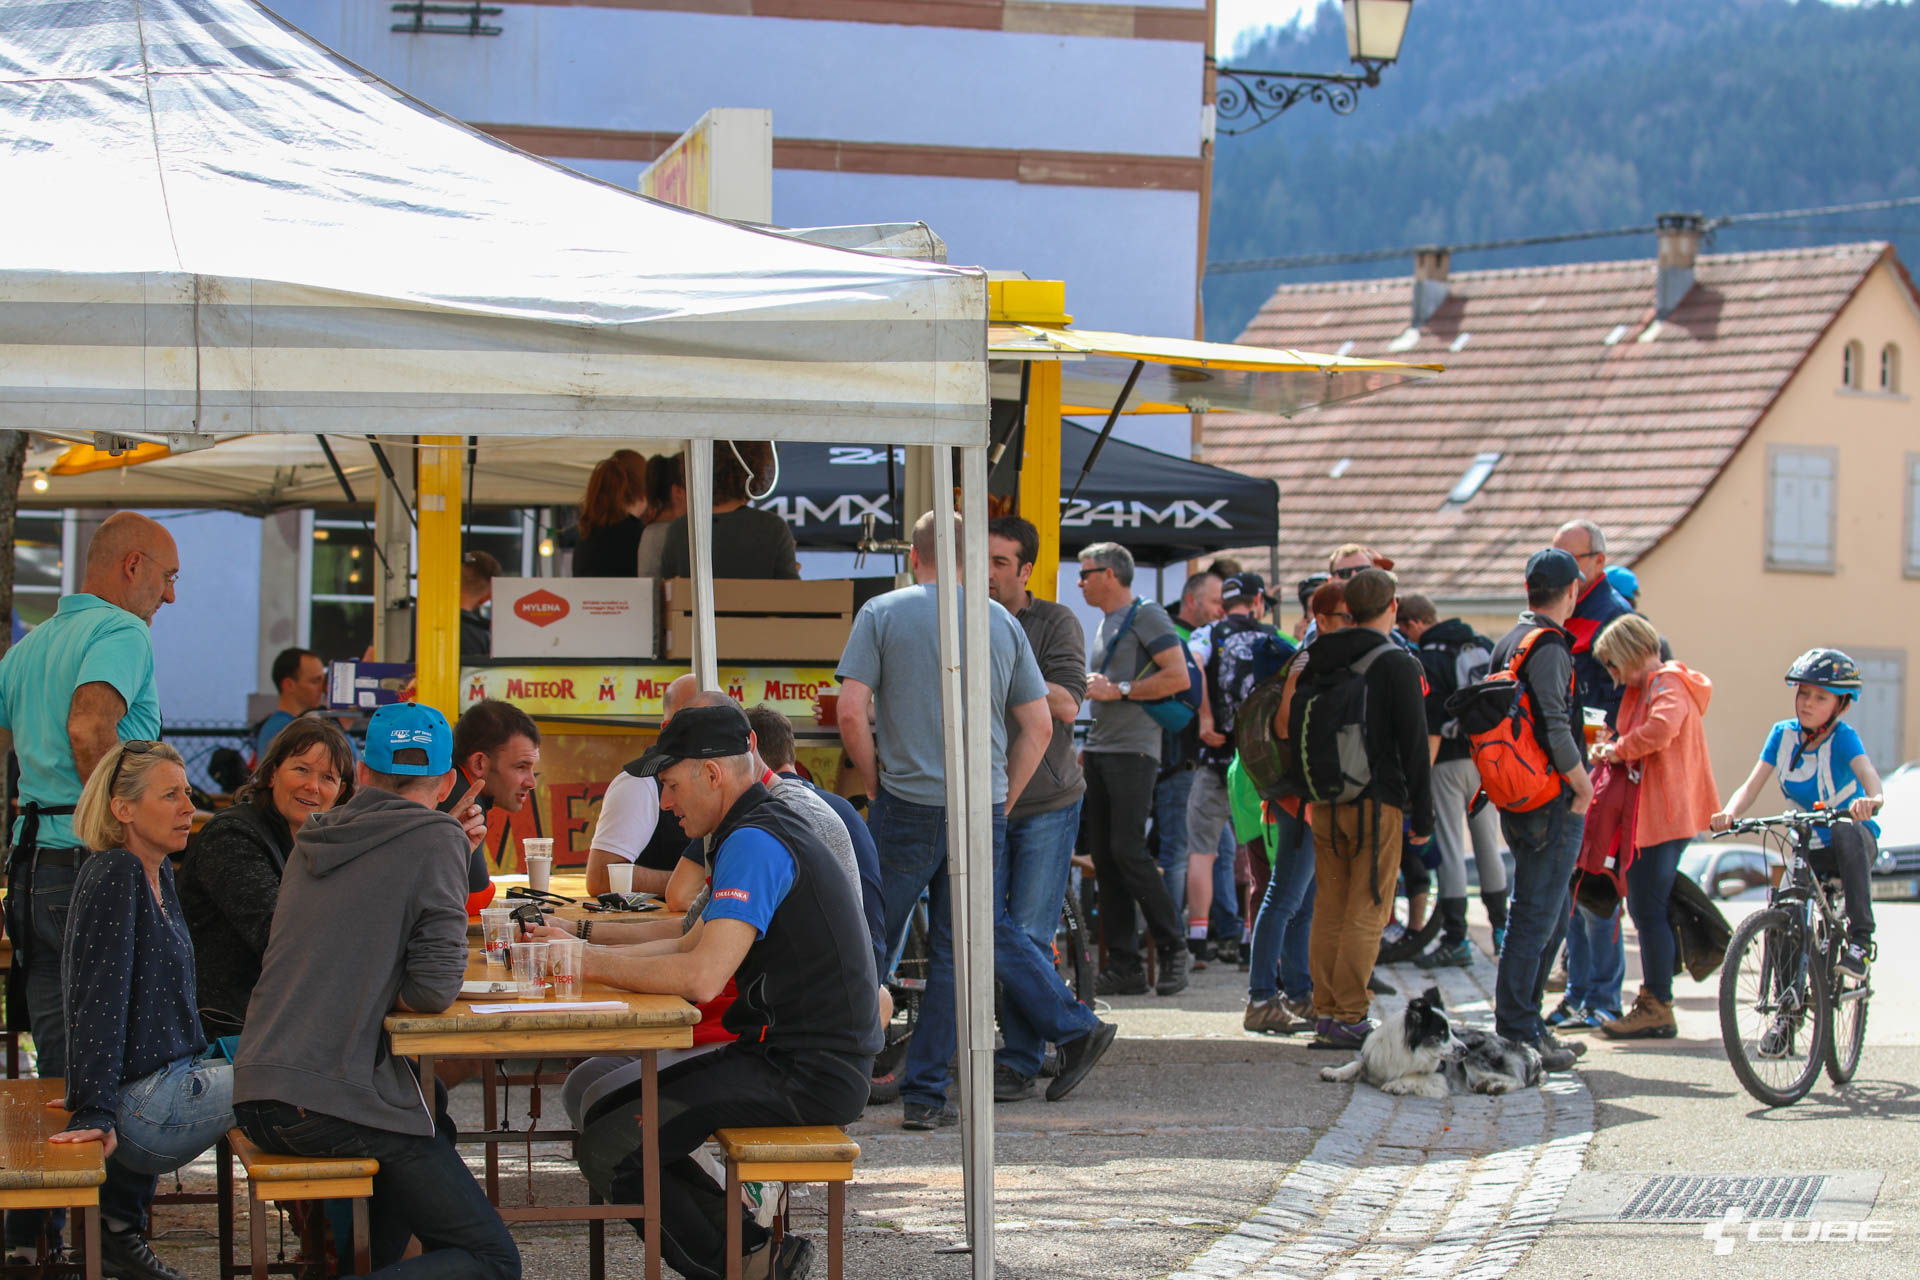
pixel 1270 1016
pixel 1302 1011
pixel 1557 980
pixel 1649 1019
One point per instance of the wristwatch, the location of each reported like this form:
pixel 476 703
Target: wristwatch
pixel 1125 687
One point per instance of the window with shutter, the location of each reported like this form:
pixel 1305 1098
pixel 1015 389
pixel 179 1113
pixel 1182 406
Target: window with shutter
pixel 1913 514
pixel 1800 509
pixel 1876 717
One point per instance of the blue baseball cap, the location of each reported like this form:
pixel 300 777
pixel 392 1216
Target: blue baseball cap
pixel 1625 581
pixel 400 726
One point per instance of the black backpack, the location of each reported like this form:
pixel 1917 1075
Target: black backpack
pixel 1327 727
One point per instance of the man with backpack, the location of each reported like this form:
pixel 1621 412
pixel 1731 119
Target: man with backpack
pixel 1134 658
pixel 1543 828
pixel 1455 656
pixel 1235 654
pixel 1359 727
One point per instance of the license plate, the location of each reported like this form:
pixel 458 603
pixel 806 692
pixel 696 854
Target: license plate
pixel 1896 888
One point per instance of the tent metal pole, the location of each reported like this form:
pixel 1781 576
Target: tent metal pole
pixel 386 469
pixel 699 473
pixel 437 619
pixel 953 726
pixel 1100 442
pixel 977 860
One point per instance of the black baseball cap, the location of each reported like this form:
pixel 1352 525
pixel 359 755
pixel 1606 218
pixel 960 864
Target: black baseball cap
pixel 1551 569
pixel 698 733
pixel 1243 586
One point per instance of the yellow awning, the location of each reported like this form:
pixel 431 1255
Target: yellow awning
pixel 1179 375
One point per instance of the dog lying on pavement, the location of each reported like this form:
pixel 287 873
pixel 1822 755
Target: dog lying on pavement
pixel 1417 1052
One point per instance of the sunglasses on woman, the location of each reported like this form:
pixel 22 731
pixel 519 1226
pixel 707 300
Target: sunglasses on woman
pixel 132 747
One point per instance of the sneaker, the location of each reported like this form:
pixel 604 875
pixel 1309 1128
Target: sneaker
pixel 1173 972
pixel 1077 1058
pixel 1010 1086
pixel 1593 1020
pixel 1270 1016
pixel 1650 1019
pixel 1567 1012
pixel 1381 987
pixel 1777 1040
pixel 1226 951
pixel 1343 1035
pixel 1854 959
pixel 1499 940
pixel 924 1116
pixel 1302 1011
pixel 1577 1048
pixel 1555 1056
pixel 124 1255
pixel 1111 983
pixel 1448 955
pixel 793 1262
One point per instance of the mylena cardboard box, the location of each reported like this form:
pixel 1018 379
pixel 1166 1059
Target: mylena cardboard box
pixel 573 617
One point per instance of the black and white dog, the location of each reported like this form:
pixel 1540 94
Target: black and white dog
pixel 1419 1053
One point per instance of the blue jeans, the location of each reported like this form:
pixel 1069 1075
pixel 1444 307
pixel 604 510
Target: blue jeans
pixel 1283 926
pixel 1039 858
pixel 1035 1005
pixel 423 1189
pixel 1596 960
pixel 1170 830
pixel 1223 920
pixel 1545 844
pixel 1649 886
pixel 171 1116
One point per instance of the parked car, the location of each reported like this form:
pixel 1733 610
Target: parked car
pixel 1898 873
pixel 1727 869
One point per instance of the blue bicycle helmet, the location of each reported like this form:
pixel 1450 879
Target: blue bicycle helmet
pixel 1830 669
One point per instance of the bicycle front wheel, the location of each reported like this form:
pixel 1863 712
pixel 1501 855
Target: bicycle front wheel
pixel 1847 1028
pixel 1773 1008
pixel 1073 952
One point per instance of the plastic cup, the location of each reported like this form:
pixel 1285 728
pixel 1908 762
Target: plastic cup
pixel 530 961
pixel 496 935
pixel 826 709
pixel 537 854
pixel 567 958
pixel 620 876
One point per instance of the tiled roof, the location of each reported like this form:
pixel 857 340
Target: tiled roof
pixel 1627 434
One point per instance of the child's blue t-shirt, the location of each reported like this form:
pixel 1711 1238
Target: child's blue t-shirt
pixel 1823 775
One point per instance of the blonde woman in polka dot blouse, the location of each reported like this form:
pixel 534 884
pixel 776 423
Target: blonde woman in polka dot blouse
pixel 136 1080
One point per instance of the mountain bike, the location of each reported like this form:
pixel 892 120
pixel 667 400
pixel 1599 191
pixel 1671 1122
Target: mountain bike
pixel 1786 1007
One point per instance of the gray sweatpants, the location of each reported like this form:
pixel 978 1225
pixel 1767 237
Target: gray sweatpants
pixel 1454 783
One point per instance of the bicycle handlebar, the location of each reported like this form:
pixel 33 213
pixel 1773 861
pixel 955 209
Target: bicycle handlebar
pixel 1792 818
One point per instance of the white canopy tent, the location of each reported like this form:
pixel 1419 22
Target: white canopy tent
pixel 216 226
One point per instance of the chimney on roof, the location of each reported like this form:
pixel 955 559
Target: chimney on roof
pixel 1679 245
pixel 1430 266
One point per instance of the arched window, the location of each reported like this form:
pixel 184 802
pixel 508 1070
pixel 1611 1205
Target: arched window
pixel 1851 372
pixel 1890 368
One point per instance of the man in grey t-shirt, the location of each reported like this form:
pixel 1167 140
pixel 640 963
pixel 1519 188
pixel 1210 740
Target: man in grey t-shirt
pixel 1042 827
pixel 1135 657
pixel 890 671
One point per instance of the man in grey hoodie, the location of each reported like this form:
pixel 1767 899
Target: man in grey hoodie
pixel 372 917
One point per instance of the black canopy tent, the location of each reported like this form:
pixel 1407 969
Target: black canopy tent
pixel 1160 507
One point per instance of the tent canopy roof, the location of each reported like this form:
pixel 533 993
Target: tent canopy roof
pixel 233 229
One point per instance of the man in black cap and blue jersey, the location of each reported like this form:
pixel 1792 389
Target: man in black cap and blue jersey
pixel 1545 841
pixel 785 921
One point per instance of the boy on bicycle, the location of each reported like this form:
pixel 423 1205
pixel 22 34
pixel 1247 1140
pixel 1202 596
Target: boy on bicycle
pixel 1822 764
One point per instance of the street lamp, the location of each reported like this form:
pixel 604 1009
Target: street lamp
pixel 1375 29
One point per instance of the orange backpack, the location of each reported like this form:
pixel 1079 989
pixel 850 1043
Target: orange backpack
pixel 1503 733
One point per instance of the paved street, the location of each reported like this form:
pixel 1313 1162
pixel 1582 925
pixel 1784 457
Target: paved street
pixel 1199 1151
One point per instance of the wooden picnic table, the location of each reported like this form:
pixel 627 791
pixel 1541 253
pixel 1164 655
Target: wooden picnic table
pixel 646 1025
pixel 38 1174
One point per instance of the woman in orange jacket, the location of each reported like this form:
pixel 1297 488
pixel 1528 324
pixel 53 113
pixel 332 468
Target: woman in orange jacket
pixel 1661 733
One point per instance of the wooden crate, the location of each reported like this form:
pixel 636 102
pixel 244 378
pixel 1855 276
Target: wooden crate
pixel 762 620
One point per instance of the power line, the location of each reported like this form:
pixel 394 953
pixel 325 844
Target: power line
pixel 1300 261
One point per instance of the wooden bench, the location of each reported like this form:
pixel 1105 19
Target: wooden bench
pixel 38 1174
pixel 814 1153
pixel 273 1178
